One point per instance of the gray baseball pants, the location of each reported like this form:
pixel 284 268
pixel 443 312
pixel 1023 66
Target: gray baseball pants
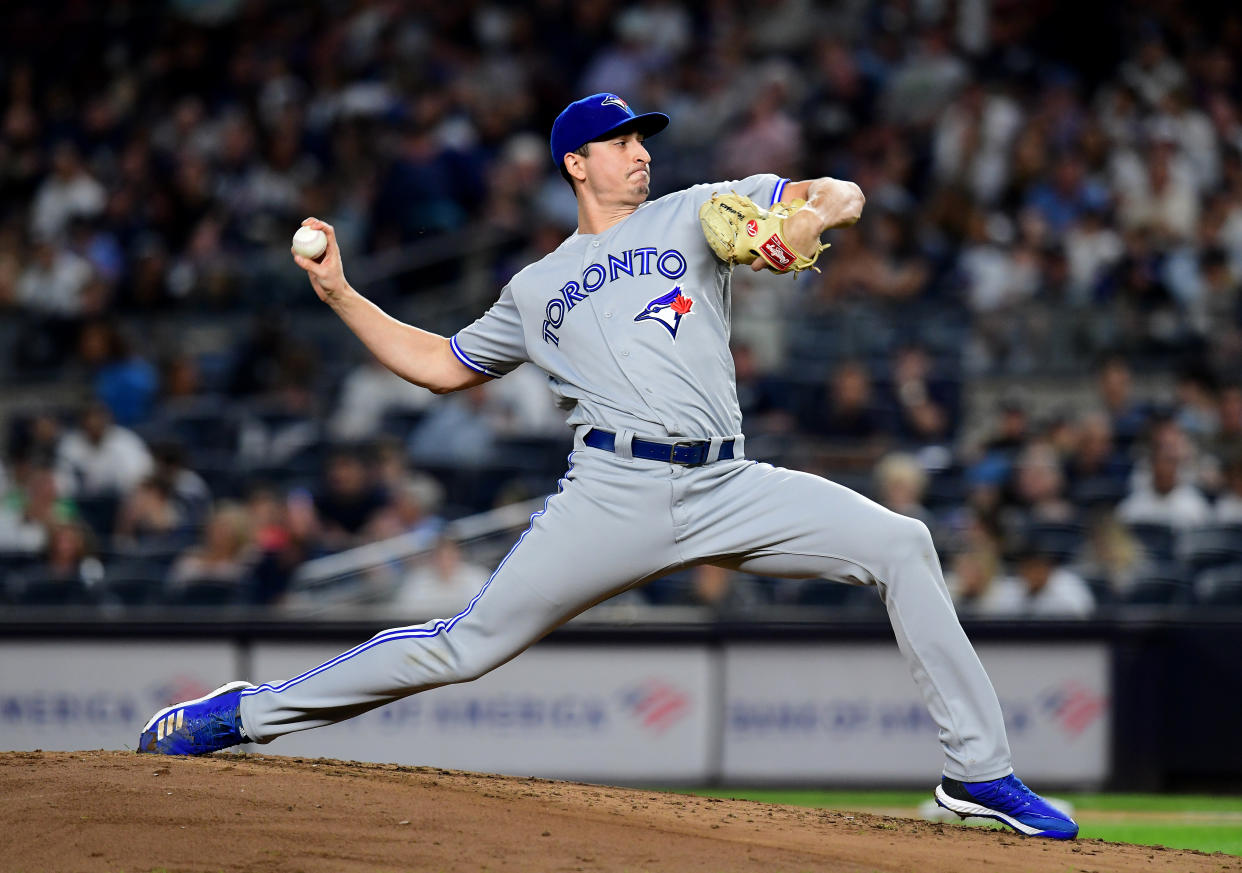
pixel 618 522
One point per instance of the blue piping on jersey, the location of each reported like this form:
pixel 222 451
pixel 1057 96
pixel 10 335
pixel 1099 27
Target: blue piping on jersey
pixel 465 359
pixel 777 192
pixel 435 628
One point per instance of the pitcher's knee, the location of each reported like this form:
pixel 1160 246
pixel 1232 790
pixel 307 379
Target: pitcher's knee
pixel 910 541
pixel 474 665
pixel 466 665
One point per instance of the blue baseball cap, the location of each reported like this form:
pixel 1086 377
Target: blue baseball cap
pixel 597 116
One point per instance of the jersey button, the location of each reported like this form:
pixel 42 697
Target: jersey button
pixel 608 314
pixel 595 244
pixel 625 354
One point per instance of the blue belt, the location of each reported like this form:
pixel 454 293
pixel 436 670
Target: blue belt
pixel 691 453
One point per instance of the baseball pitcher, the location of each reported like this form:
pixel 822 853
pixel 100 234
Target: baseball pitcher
pixel 629 317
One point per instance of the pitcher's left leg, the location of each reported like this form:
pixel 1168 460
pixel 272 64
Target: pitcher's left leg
pixel 778 522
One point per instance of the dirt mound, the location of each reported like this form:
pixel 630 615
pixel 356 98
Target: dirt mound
pixel 110 811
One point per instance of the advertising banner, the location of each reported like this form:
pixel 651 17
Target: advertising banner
pixel 851 713
pixel 68 695
pixel 591 712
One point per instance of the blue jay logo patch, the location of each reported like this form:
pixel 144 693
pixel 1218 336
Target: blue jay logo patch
pixel 614 100
pixel 667 311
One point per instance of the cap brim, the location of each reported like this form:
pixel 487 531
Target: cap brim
pixel 648 124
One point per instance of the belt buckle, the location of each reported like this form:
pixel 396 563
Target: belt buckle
pixel 689 444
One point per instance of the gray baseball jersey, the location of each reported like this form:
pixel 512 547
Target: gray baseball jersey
pixel 632 327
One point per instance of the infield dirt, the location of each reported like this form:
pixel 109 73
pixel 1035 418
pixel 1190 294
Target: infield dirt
pixel 118 811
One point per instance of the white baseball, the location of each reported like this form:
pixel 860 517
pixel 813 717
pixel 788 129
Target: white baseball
pixel 310 242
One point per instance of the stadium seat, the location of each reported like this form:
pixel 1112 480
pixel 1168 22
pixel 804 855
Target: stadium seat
pixel 12 562
pixel 43 590
pixel 1159 540
pixel 945 490
pixel 134 590
pixel 1220 586
pixel 207 592
pixel 1099 491
pixel 1101 590
pixel 1211 546
pixel 1061 540
pixel 98 512
pixel 400 423
pixel 134 582
pixel 1167 584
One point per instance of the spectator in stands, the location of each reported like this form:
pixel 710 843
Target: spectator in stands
pixel 988 473
pixel 1039 588
pixel 455 432
pixel 285 420
pixel 1164 198
pixel 972 577
pixel 100 457
pixel 1067 196
pixel 1228 508
pixel 180 381
pixel 1227 441
pixel 1111 557
pixel 369 391
pixel 34 439
pixel 1197 411
pixel 1114 385
pixel 849 413
pixel 521 405
pixel 899 483
pixel 726 590
pixel 68 572
pixel 1012 430
pixel 68 192
pixel 1162 497
pixel 149 516
pixel 1039 489
pixel 29 509
pixel 1096 471
pixel 411 509
pixel 763 402
pixel 348 501
pixel 926 406
pixel 1093 249
pixel 124 381
pixel 443 584
pixel 57 282
pixel 223 556
pixel 189 491
pixel 283 532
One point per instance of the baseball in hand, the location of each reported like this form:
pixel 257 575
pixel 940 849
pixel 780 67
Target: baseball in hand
pixel 310 243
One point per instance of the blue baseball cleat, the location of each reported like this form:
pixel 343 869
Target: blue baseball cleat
pixel 197 727
pixel 1009 802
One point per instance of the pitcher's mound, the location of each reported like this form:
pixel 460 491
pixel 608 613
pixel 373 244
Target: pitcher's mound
pixel 119 811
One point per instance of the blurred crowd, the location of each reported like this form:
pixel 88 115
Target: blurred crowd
pixel 1053 189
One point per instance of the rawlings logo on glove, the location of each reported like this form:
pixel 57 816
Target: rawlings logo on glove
pixel 739 231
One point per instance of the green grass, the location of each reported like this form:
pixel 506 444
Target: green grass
pixel 1184 821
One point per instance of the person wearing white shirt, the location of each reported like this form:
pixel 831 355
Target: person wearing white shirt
pixel 1228 508
pixel 1039 589
pixel 101 457
pixel 443 584
pixel 1163 499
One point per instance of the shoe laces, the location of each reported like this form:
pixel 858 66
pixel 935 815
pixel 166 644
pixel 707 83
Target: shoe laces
pixel 1011 792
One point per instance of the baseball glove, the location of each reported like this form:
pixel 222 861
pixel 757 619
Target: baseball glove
pixel 738 230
